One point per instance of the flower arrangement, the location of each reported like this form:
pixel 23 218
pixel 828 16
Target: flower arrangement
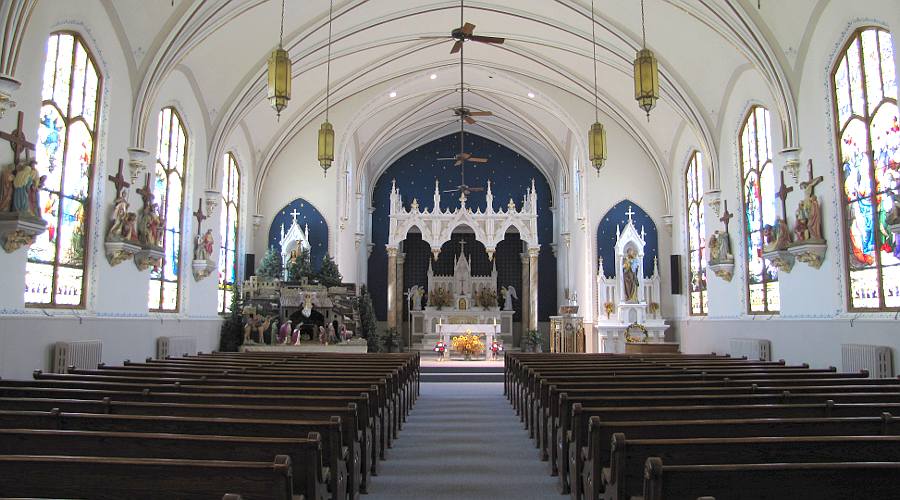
pixel 487 298
pixel 635 326
pixel 439 298
pixel 609 308
pixel 467 344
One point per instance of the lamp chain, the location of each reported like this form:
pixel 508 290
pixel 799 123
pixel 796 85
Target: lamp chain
pixel 281 34
pixel 328 63
pixel 594 46
pixel 643 27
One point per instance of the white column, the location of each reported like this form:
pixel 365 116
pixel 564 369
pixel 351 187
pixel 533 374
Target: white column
pixel 525 301
pixel 392 287
pixel 532 287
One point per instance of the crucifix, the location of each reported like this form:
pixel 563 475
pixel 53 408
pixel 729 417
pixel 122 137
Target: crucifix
pixel 199 215
pixel 17 140
pixel 119 180
pixel 810 185
pixel 726 217
pixel 294 214
pixel 782 194
pixel 629 213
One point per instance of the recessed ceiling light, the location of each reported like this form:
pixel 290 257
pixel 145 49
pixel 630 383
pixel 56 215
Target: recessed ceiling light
pixel 433 76
pixel 392 94
pixel 531 95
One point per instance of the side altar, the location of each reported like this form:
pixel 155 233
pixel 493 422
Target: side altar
pixel 629 301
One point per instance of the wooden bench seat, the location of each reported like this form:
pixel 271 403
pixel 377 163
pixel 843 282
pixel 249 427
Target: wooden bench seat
pixel 305 453
pixel 623 478
pixel 110 478
pixel 822 481
pixel 334 453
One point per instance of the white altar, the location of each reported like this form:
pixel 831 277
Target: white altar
pixel 629 297
pixel 488 331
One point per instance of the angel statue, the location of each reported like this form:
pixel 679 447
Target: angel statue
pixel 415 295
pixel 508 293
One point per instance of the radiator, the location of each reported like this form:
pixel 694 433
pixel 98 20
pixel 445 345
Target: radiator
pixel 84 354
pixel 754 349
pixel 175 346
pixel 877 359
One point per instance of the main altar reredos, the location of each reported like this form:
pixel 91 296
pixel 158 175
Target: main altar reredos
pixel 462 301
pixel 629 297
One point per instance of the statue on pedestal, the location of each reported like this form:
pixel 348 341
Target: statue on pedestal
pixel 630 278
pixel 777 236
pixel 720 248
pixel 508 293
pixel 203 247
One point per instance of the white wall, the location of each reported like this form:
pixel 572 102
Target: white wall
pixel 116 300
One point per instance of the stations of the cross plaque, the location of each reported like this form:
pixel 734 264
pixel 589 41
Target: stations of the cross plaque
pixel 809 186
pixel 198 214
pixel 146 192
pixel 782 194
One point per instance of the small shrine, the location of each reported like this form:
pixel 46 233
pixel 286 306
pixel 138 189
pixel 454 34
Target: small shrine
pixel 629 301
pixel 293 241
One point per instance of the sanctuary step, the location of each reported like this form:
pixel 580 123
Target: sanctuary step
pixel 483 371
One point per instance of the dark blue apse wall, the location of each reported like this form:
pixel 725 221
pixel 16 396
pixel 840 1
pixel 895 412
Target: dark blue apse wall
pixel 510 174
pixel 307 214
pixel 606 235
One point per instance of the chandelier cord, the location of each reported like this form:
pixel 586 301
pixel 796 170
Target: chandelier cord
pixel 643 27
pixel 281 34
pixel 328 63
pixel 594 46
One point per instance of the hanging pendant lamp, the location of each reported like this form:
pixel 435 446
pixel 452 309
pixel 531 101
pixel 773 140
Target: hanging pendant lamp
pixel 597 133
pixel 326 131
pixel 646 73
pixel 279 82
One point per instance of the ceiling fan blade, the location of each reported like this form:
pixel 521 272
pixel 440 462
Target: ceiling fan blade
pixel 456 47
pixel 487 39
pixel 463 156
pixel 458 163
pixel 450 190
pixel 469 120
pixel 467 28
pixel 476 190
pixel 478 160
pixel 480 113
pixel 446 159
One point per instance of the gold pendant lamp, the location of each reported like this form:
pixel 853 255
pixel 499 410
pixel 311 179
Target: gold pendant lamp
pixel 326 131
pixel 279 84
pixel 646 73
pixel 597 133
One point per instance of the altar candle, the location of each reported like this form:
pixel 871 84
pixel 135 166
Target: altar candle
pixel 495 321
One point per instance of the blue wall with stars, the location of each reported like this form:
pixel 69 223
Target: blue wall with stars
pixel 308 214
pixel 510 175
pixel 606 235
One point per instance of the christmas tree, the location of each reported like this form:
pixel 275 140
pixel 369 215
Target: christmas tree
pixel 270 266
pixel 368 323
pixel 300 267
pixel 329 275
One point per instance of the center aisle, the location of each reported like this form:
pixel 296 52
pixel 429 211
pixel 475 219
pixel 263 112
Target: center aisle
pixel 463 441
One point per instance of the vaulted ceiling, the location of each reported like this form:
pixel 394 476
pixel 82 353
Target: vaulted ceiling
pixel 539 84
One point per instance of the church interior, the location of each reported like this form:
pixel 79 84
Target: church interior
pixel 423 212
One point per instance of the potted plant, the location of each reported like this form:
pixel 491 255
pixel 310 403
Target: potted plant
pixel 531 342
pixel 390 340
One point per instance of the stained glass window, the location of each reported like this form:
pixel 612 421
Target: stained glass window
pixel 864 85
pixel 228 231
pixel 758 181
pixel 696 230
pixel 168 188
pixel 54 274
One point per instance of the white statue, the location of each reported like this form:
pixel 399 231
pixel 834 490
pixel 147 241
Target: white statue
pixel 415 294
pixel 508 293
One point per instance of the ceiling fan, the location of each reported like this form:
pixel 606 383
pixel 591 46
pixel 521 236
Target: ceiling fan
pixel 461 35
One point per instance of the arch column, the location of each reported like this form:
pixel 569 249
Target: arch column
pixel 526 293
pixel 533 253
pixel 398 294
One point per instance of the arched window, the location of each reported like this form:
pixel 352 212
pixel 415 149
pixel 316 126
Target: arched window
pixel 696 229
pixel 758 178
pixel 864 85
pixel 70 96
pixel 228 231
pixel 168 188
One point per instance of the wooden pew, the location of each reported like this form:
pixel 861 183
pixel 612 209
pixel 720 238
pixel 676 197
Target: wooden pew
pixel 822 481
pixel 334 454
pixel 355 438
pixel 624 476
pixel 305 453
pixel 599 442
pixel 109 478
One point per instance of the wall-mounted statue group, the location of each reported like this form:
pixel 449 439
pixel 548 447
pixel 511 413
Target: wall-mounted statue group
pixel 20 189
pixel 804 241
